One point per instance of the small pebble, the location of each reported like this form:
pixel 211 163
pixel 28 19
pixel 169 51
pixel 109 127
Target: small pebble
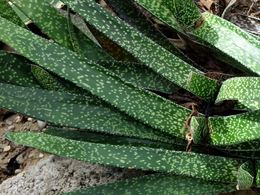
pixel 17 171
pixel 18 119
pixel 41 124
pixel 6 148
pixel 30 119
pixel 41 155
pixel 31 155
pixel 8 122
pixel 10 128
pixel 21 158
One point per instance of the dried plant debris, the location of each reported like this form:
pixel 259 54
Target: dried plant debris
pixel 13 158
pixel 245 14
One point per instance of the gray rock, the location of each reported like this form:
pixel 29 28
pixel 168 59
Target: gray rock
pixel 54 175
pixel 41 124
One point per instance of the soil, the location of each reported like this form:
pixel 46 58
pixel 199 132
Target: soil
pixel 14 159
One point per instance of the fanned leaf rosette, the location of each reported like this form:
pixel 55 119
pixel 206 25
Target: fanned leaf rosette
pixel 115 91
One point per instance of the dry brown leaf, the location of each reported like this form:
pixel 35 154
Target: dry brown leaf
pixel 207 4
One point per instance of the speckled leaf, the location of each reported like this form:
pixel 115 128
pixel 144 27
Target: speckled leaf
pixel 181 163
pixel 16 70
pixel 52 82
pixel 244 178
pixel 83 27
pixel 160 9
pixel 246 90
pixel 233 129
pixel 46 80
pixel 230 43
pixel 33 94
pixel 20 14
pixel 87 136
pixel 257 37
pixel 73 111
pixel 258 173
pixel 59 28
pixel 47 20
pixel 139 75
pixel 144 49
pixel 158 113
pixel 157 184
pixel 113 49
pixel 242 148
pixel 185 12
pixel 128 11
pixel 7 12
pixel 250 155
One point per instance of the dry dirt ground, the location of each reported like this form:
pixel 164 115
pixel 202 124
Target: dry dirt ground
pixel 14 159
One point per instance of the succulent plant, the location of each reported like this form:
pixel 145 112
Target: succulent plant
pixel 103 80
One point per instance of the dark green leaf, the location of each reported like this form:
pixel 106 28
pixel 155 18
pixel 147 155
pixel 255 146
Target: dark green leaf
pixel 231 130
pixel 87 136
pixel 245 90
pixel 84 112
pixel 128 11
pixel 15 69
pixel 7 12
pixel 145 50
pixel 142 105
pixel 181 163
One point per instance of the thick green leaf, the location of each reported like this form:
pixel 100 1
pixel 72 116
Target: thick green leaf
pixel 46 80
pixel 128 11
pixel 235 129
pixel 181 163
pixel 59 28
pixel 64 32
pixel 20 14
pixel 186 13
pixel 248 150
pixel 250 155
pixel 257 37
pixel 252 146
pixel 7 12
pixel 161 10
pixel 87 136
pixel 16 70
pixel 230 130
pixel 33 94
pixel 229 43
pixel 142 105
pixel 244 178
pixel 84 112
pixel 115 50
pixel 145 50
pixel 158 184
pixel 52 82
pixel 246 90
pixel 81 24
pixel 258 173
pixel 139 75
